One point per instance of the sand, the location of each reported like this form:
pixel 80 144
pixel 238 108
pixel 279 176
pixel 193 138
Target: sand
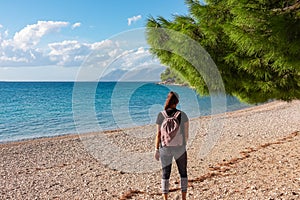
pixel 248 154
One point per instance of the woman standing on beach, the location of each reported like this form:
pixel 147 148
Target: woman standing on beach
pixel 166 148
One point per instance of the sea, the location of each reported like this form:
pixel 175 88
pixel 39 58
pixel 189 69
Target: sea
pixel 46 109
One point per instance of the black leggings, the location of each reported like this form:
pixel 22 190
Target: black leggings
pixel 180 156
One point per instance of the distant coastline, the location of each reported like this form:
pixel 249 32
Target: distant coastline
pixel 173 83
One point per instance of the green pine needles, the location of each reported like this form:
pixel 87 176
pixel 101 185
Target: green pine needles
pixel 254 43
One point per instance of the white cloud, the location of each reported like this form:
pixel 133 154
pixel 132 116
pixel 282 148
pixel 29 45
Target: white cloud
pixel 134 19
pixel 32 55
pixel 69 52
pixel 102 44
pixel 24 49
pixel 30 36
pixel 5 33
pixel 134 59
pixel 3 36
pixel 13 59
pixel 76 25
pixel 73 52
pixel 1 26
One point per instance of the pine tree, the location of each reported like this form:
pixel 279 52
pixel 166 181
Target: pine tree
pixel 254 43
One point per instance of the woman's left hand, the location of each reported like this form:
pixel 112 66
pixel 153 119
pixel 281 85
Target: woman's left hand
pixel 156 155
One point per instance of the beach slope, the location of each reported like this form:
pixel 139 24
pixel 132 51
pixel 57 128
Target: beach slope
pixel 256 156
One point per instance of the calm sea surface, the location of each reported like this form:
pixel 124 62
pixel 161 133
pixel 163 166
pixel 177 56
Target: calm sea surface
pixel 45 109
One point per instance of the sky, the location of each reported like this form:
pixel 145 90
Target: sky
pixel 50 40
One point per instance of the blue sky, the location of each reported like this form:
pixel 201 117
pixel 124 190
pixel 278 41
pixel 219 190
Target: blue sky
pixel 49 39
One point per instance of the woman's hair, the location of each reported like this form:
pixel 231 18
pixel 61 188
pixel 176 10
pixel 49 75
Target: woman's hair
pixel 172 99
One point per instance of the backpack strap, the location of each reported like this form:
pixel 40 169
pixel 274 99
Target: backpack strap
pixel 164 113
pixel 177 114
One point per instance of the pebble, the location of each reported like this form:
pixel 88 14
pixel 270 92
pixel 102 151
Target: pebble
pixel 64 168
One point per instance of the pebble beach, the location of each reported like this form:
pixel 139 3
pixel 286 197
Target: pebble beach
pixel 255 154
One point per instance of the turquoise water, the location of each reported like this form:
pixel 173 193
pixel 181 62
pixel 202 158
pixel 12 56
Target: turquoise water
pixel 46 109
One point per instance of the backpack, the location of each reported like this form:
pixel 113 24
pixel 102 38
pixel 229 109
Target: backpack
pixel 170 134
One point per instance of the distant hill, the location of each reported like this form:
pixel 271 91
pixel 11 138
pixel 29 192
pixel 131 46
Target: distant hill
pixel 114 75
pixel 147 74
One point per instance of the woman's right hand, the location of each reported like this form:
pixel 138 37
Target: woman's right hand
pixel 156 155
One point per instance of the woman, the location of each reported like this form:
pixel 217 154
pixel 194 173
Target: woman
pixel 166 151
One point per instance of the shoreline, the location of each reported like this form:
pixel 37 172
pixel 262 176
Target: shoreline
pixel 78 135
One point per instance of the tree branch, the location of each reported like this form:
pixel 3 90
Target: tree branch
pixel 296 6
